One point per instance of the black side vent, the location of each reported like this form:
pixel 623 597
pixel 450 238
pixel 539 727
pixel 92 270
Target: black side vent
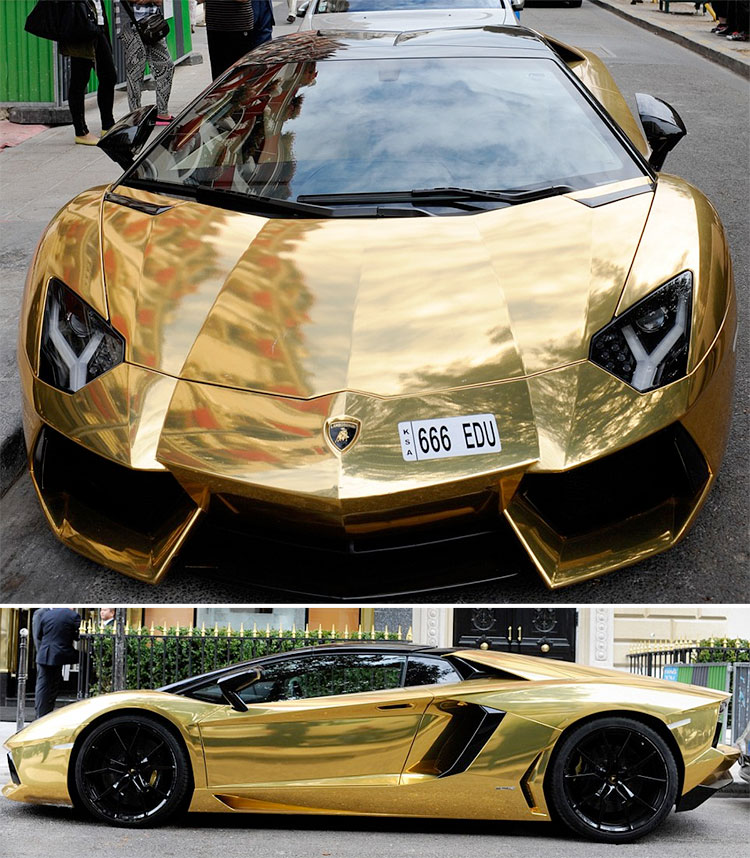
pixel 460 743
pixel 13 773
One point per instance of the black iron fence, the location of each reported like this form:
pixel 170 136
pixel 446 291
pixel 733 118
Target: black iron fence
pixel 152 657
pixel 720 664
pixel 650 659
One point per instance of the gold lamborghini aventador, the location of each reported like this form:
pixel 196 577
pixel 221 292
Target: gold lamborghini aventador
pixel 390 729
pixel 381 290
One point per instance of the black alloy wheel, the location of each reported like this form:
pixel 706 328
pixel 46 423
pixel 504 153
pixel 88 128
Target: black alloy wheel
pixel 613 779
pixel 131 771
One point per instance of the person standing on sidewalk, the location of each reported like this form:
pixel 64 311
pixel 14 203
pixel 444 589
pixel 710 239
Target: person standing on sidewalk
pixel 54 631
pixel 85 56
pixel 229 27
pixel 136 54
pixel 292 16
pixel 263 22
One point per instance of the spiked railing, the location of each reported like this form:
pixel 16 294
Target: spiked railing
pixel 156 655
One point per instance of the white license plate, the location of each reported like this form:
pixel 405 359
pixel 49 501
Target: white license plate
pixel 449 436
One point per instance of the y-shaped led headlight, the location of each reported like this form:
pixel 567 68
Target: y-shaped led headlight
pixel 647 346
pixel 77 343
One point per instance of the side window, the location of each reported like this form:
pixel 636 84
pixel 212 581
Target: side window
pixel 423 670
pixel 338 673
pixel 318 676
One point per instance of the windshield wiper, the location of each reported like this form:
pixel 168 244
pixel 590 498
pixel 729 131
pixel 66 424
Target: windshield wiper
pixel 237 201
pixel 522 195
pixel 438 195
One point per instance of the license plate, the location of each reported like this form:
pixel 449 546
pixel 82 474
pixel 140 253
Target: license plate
pixel 474 435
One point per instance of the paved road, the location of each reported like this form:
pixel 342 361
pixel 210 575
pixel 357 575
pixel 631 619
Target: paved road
pixel 714 830
pixel 712 562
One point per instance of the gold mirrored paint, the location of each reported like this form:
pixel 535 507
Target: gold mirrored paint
pixel 246 334
pixel 388 307
pixel 347 754
pixel 687 235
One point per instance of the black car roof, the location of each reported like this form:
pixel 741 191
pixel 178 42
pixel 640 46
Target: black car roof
pixel 355 44
pixel 192 682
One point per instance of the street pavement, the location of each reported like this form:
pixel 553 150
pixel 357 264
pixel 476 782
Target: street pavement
pixel 720 827
pixel 685 26
pixel 43 172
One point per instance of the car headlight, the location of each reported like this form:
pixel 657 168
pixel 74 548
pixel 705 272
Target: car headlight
pixel 78 345
pixel 647 346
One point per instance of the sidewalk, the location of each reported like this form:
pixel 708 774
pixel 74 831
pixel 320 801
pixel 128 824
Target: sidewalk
pixel 41 173
pixel 687 27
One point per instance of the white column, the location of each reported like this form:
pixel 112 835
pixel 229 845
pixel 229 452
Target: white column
pixel 432 626
pixel 601 637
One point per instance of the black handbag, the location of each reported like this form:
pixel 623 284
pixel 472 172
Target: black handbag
pixel 152 28
pixel 62 21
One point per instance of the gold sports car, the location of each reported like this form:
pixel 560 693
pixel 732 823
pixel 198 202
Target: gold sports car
pixel 380 290
pixel 390 729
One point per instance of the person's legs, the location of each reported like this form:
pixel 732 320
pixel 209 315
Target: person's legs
pixel 216 52
pixel 135 63
pixel 105 71
pixel 48 678
pixel 163 68
pixel 80 71
pixel 226 47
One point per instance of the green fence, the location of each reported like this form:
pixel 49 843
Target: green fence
pixel 27 70
pixel 33 72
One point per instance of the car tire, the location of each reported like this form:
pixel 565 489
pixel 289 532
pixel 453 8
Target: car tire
pixel 131 771
pixel 613 780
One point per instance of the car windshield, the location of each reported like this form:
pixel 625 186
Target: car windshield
pixel 286 130
pixel 325 6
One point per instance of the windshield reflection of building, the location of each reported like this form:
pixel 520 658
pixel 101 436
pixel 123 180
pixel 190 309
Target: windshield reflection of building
pixel 246 113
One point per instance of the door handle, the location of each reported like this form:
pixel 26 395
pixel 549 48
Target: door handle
pixel 510 634
pixel 397 706
pixel 520 636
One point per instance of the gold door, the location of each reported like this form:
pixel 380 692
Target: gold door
pixel 348 739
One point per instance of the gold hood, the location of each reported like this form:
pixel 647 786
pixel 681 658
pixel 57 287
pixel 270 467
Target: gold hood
pixel 384 307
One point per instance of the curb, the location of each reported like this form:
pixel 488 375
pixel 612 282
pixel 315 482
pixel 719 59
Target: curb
pixel 717 57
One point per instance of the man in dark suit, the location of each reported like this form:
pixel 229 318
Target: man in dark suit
pixel 53 630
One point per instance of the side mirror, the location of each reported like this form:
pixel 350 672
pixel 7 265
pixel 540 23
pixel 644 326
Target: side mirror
pixel 517 5
pixel 230 687
pixel 126 138
pixel 662 125
pixel 302 9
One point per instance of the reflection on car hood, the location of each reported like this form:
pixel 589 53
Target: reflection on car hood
pixel 384 306
pixel 400 21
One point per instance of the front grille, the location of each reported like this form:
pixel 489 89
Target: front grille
pixel 666 468
pixel 134 500
pixel 359 533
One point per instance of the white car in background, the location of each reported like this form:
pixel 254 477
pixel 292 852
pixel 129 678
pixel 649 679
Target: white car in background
pixel 399 15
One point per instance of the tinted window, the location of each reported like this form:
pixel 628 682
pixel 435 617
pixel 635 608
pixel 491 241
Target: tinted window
pixel 423 670
pixel 387 125
pixel 318 676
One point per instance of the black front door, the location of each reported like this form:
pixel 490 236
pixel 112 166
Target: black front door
pixel 549 632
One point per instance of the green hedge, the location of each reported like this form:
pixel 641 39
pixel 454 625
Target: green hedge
pixel 171 654
pixel 724 650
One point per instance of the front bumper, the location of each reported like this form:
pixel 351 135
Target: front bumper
pixel 39 774
pixel 592 475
